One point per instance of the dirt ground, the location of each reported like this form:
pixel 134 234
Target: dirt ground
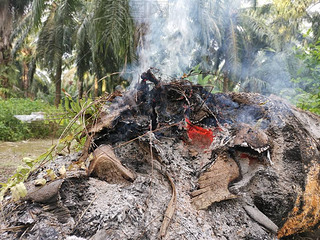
pixel 12 153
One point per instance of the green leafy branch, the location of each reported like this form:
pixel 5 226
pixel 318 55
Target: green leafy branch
pixel 82 113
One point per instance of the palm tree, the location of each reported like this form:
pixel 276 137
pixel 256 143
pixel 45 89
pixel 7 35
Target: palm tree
pixel 55 39
pixel 273 62
pixel 105 40
pixel 248 42
pixel 101 32
pixel 230 37
pixel 222 35
pixel 10 11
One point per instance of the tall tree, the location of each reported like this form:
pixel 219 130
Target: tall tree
pixel 10 11
pixel 224 36
pixel 105 40
pixel 56 38
pixel 251 44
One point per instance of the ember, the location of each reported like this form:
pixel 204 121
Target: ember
pixel 198 135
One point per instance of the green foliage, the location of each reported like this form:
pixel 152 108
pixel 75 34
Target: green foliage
pixel 105 40
pixel 12 129
pixel 213 82
pixel 309 102
pixel 80 113
pixel 9 75
pixel 307 82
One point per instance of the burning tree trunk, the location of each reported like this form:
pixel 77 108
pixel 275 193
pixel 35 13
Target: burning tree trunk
pixel 173 161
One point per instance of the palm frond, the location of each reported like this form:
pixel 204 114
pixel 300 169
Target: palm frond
pixel 256 27
pixel 20 33
pixel 46 42
pixel 56 35
pixel 254 84
pixel 112 34
pixel 18 7
pixel 38 7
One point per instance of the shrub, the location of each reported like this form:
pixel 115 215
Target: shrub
pixel 12 129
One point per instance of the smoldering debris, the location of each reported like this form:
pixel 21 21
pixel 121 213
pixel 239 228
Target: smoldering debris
pixel 173 161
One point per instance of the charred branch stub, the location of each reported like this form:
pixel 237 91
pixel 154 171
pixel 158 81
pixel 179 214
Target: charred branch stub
pixel 107 166
pixel 179 162
pixel 149 76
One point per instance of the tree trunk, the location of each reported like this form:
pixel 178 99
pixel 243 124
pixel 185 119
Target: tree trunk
pixel 58 82
pixel 225 82
pixel 5 31
pixel 4 63
pixel 80 87
pixel 96 87
pixel 25 79
pixel 104 86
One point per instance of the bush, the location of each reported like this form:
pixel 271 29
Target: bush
pixel 12 129
pixel 307 82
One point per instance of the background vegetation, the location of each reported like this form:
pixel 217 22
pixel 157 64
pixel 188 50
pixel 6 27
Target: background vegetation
pixel 84 48
pixel 12 129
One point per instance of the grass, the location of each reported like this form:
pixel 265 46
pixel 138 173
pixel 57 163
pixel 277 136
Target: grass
pixel 12 153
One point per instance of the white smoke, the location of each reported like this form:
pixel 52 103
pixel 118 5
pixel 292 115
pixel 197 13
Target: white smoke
pixel 171 43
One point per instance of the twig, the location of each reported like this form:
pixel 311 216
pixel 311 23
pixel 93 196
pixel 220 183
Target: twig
pixel 208 109
pixel 150 143
pixel 170 209
pixel 152 220
pixel 24 232
pixel 152 167
pixel 156 130
pixel 207 95
pixel 12 229
pixel 33 217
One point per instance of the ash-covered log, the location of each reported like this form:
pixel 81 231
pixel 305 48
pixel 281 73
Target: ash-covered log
pixel 173 161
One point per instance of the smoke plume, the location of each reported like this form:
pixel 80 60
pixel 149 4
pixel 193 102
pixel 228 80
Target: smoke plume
pixel 172 42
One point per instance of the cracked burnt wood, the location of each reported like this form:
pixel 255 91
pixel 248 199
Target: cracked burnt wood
pixel 253 137
pixel 213 184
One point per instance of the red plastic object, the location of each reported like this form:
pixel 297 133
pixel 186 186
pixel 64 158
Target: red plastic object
pixel 199 136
